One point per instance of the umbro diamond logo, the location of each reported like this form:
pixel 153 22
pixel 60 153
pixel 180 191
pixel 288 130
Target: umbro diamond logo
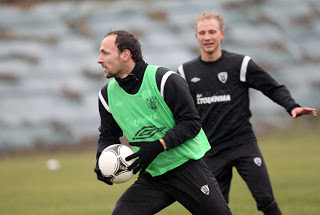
pixel 195 79
pixel 147 132
pixel 205 189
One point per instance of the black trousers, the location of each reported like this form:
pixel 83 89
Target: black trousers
pixel 193 186
pixel 248 161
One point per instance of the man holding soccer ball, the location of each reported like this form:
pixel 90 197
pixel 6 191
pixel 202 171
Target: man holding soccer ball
pixel 219 82
pixel 152 106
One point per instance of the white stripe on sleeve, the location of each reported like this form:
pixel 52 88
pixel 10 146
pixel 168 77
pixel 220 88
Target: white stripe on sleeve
pixel 243 71
pixel 163 81
pixel 104 103
pixel 181 72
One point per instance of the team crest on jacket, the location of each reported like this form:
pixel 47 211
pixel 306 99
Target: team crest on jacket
pixel 257 161
pixel 152 103
pixel 205 189
pixel 223 76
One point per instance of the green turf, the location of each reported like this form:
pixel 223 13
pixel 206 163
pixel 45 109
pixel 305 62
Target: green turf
pixel 27 187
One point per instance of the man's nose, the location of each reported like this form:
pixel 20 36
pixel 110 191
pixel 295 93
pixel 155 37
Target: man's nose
pixel 99 60
pixel 206 36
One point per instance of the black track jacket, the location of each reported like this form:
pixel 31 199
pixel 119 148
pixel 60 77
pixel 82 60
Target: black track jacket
pixel 220 90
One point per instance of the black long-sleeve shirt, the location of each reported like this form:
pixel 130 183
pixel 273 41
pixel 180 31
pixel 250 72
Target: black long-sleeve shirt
pixel 220 90
pixel 177 97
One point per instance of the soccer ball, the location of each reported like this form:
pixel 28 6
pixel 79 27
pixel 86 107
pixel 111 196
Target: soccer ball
pixel 113 165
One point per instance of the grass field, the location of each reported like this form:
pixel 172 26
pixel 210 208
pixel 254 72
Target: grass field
pixel 27 187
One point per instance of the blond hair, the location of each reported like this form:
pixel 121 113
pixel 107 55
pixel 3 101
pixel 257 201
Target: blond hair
pixel 210 15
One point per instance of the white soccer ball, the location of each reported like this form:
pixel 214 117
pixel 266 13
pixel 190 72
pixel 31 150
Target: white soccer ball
pixel 53 164
pixel 113 165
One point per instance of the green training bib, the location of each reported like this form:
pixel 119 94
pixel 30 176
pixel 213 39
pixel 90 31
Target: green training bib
pixel 145 116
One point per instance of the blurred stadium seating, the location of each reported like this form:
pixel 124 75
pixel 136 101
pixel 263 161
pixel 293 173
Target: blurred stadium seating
pixel 49 78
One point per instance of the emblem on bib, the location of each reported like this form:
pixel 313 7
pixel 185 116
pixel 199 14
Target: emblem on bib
pixel 152 103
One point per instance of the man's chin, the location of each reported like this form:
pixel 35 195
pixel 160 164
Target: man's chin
pixel 209 51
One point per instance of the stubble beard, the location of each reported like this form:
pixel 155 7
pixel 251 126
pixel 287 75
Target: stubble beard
pixel 108 75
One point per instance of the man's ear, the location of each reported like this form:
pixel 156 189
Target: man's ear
pixel 126 55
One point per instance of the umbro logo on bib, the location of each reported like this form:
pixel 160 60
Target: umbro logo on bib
pixel 147 132
pixel 223 76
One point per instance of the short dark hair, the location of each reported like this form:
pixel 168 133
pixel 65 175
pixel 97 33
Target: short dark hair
pixel 126 40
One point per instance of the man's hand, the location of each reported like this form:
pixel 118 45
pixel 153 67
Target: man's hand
pixel 101 177
pixel 299 111
pixel 147 153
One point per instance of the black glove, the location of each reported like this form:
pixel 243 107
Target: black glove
pixel 147 153
pixel 101 177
